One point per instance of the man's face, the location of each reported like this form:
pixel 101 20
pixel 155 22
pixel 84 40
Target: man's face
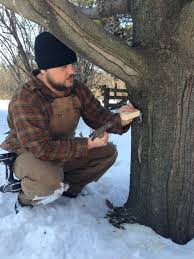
pixel 60 77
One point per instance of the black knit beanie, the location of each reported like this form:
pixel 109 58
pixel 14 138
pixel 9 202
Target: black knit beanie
pixel 51 52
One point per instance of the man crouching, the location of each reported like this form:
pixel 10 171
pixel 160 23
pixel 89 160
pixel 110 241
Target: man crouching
pixel 43 115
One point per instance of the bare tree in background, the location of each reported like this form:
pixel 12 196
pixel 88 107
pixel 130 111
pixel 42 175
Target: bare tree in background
pixel 16 40
pixel 86 72
pixel 7 83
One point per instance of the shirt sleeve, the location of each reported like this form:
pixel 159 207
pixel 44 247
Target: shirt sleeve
pixel 31 127
pixel 95 115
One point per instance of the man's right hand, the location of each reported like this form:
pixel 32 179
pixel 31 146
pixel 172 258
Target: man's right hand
pixel 98 142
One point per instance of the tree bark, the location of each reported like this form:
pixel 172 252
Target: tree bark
pixel 162 181
pixel 156 21
pixel 162 167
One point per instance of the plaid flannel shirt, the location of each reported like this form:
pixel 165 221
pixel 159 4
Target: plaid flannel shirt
pixel 29 114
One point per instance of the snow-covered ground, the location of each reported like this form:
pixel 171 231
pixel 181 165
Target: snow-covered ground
pixel 76 228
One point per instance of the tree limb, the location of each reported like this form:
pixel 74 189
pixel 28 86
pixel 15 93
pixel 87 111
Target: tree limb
pixel 83 35
pixel 106 9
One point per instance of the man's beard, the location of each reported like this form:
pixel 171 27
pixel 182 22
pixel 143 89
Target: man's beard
pixel 57 86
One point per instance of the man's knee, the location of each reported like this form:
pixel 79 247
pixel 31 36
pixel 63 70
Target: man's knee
pixel 103 152
pixel 48 172
pixel 41 181
pixel 112 150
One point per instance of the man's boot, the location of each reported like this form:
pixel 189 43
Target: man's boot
pixel 19 205
pixel 70 194
pixel 73 192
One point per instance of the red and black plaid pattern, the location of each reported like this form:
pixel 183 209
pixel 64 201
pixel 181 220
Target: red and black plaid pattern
pixel 29 115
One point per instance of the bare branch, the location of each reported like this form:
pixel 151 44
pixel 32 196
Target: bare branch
pixel 13 23
pixel 13 69
pixel 106 9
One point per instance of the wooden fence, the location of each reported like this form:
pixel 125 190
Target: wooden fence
pixel 119 96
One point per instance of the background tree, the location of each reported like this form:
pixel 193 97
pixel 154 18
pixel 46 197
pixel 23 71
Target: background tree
pixel 7 83
pixel 17 37
pixel 159 74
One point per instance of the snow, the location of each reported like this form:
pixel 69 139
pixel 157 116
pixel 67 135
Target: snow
pixel 76 228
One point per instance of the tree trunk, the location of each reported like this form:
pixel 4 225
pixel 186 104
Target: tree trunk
pixel 162 166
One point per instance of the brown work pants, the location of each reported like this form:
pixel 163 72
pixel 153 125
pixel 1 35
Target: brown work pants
pixel 43 181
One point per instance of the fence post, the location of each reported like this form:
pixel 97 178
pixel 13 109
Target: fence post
pixel 106 97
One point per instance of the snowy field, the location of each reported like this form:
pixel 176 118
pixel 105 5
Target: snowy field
pixel 76 228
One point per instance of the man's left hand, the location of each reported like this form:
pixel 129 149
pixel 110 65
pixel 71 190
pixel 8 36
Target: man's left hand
pixel 126 108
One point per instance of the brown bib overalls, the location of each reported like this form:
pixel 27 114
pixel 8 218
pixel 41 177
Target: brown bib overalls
pixel 43 181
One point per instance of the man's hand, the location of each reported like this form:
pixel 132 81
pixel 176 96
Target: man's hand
pixel 98 142
pixel 126 108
